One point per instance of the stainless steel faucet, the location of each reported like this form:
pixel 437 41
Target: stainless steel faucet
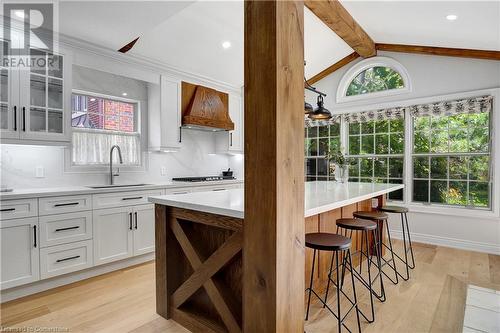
pixel 111 175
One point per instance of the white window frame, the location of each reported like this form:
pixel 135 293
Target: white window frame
pixel 367 64
pixel 69 167
pixel 494 211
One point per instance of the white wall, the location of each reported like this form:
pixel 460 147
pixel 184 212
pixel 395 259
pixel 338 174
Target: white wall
pixel 432 76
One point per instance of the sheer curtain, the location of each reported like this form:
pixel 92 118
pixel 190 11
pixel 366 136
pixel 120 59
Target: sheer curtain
pixel 92 148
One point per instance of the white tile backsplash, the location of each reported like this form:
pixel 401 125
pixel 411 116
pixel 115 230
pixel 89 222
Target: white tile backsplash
pixel 19 163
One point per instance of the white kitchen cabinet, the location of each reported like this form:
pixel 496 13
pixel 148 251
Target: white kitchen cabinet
pixel 164 114
pixel 232 141
pixel 36 103
pixel 64 204
pixel 19 252
pixel 123 232
pixel 123 199
pixel 65 228
pixel 113 234
pixel 66 258
pixel 144 229
pixel 14 209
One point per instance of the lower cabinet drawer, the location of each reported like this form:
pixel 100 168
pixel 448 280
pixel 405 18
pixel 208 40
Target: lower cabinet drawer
pixel 67 258
pixel 123 199
pixel 15 209
pixel 65 228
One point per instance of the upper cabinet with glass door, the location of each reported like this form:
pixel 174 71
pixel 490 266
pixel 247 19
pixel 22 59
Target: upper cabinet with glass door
pixel 36 99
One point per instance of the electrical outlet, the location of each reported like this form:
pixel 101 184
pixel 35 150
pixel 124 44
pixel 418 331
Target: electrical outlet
pixel 163 171
pixel 39 172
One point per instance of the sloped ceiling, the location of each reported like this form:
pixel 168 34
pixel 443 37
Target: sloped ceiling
pixel 188 34
pixel 425 23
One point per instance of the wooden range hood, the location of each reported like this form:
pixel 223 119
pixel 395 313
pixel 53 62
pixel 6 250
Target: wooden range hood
pixel 205 108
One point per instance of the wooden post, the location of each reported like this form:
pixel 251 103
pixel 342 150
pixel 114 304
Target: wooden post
pixel 273 246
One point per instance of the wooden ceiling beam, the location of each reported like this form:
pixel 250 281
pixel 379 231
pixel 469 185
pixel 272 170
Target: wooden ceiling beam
pixel 337 18
pixel 440 51
pixel 339 64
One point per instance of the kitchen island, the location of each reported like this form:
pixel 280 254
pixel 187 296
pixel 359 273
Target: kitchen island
pixel 199 243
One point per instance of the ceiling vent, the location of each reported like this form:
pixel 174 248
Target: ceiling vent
pixel 205 108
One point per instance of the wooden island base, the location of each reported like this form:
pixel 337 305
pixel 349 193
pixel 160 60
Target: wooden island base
pixel 199 264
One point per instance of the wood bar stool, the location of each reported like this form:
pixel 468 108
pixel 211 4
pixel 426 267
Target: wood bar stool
pixel 381 217
pixel 336 244
pixel 365 227
pixel 406 233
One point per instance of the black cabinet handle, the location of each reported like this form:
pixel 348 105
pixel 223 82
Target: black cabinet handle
pixel 180 134
pixel 132 198
pixel 24 119
pixel 135 214
pixel 15 118
pixel 68 228
pixel 34 236
pixel 130 221
pixel 7 209
pixel 66 204
pixel 218 189
pixel 68 258
pixel 231 139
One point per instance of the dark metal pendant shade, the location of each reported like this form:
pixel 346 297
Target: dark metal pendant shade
pixel 320 113
pixel 308 108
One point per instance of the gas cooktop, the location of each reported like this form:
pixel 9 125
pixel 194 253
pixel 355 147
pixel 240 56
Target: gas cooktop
pixel 201 179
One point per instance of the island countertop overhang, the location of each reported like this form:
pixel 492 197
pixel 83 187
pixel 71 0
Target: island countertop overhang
pixel 320 196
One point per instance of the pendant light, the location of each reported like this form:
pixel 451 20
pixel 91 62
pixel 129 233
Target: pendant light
pixel 320 113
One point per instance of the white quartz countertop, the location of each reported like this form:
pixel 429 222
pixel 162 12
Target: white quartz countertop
pixel 320 196
pixel 76 190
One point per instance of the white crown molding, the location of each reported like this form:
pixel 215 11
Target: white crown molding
pixel 145 63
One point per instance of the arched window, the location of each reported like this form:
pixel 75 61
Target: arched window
pixel 372 78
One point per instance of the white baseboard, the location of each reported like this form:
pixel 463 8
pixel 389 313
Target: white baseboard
pixel 450 242
pixel 39 286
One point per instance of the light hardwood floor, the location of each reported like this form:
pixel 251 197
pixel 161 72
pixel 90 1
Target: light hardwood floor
pixel 124 301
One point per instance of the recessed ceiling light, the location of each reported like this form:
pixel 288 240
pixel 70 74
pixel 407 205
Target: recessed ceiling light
pixel 92 99
pixel 19 13
pixel 124 94
pixel 226 44
pixel 451 17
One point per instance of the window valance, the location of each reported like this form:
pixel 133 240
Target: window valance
pixel 374 115
pixel 315 123
pixel 447 108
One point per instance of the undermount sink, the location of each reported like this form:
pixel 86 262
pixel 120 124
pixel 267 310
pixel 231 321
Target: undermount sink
pixel 113 186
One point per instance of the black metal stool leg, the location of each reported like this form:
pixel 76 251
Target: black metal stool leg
pixel 379 264
pixel 354 293
pixel 370 282
pixel 412 266
pixel 339 317
pixel 405 261
pixel 329 279
pixel 311 285
pixel 392 256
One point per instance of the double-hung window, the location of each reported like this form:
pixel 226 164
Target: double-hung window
pixel 98 123
pixel 451 153
pixel 376 143
pixel 320 137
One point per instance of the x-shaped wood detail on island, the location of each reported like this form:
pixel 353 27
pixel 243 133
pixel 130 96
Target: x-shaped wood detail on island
pixel 204 271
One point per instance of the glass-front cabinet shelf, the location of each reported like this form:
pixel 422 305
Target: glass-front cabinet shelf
pixel 35 100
